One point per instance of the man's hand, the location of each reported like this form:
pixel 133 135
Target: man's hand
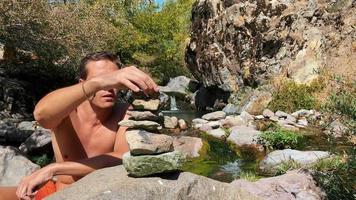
pixel 28 185
pixel 127 78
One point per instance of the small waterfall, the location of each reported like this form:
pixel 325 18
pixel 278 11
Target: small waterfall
pixel 173 103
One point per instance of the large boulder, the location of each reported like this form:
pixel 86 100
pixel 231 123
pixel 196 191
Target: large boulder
pixel 256 102
pixel 10 134
pixel 14 166
pixel 292 185
pixel 304 158
pixel 179 86
pixel 40 140
pixel 242 43
pixel 117 184
pixel 190 146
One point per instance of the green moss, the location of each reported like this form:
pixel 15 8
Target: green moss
pixel 290 96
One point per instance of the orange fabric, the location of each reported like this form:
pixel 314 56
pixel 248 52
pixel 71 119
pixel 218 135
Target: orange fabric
pixel 46 190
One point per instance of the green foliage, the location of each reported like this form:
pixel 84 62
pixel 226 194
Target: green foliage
pixel 342 100
pixel 290 96
pixel 249 175
pixel 42 160
pixel 280 139
pixel 286 166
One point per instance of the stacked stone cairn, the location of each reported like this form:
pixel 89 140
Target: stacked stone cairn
pixel 150 152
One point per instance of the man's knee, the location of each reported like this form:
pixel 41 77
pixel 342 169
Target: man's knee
pixel 8 193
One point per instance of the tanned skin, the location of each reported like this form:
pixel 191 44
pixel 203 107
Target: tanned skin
pixel 86 135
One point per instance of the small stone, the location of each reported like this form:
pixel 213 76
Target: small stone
pixel 151 105
pixel 230 109
pixel 199 121
pixel 302 113
pixel 231 121
pixel 217 133
pixel 170 122
pixel 190 146
pixel 205 127
pixel 182 124
pixel 274 119
pixel 303 122
pixel 214 124
pixel 246 117
pixel 259 117
pixel 145 165
pixel 336 129
pixel 142 142
pixel 268 113
pixel 214 116
pixel 142 115
pixel 281 114
pixel 147 125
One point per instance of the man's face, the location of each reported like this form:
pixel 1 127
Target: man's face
pixel 102 98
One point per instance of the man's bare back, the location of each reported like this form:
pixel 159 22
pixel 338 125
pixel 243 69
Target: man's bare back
pixel 84 122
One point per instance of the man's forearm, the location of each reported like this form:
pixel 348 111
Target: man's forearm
pixel 54 107
pixel 86 166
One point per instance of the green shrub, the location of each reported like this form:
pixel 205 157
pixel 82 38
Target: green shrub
pixel 42 160
pixel 280 139
pixel 290 96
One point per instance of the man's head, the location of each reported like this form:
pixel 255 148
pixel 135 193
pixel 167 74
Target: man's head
pixel 96 64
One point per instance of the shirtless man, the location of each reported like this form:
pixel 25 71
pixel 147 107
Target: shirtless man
pixel 84 122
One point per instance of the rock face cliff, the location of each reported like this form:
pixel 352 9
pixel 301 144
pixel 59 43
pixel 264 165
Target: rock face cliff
pixel 235 43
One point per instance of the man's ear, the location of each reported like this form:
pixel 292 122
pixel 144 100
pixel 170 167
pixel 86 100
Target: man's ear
pixel 81 80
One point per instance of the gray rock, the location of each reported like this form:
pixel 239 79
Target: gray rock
pixel 40 139
pixel 293 185
pixel 268 113
pixel 14 166
pixel 230 109
pixel 214 116
pixel 145 165
pixel 178 86
pixel 170 122
pixel 142 142
pixel 199 121
pixel 203 127
pixel 217 133
pixel 182 124
pixel 190 146
pixel 231 121
pixel 281 114
pixel 275 158
pixel 151 105
pixel 336 129
pixel 245 140
pixel 27 126
pixel 257 102
pixel 118 185
pixel 142 115
pixel 302 122
pixel 10 134
pixel 302 113
pixel 147 125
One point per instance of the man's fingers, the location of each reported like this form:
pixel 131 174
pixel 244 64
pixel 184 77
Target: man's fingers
pixel 130 85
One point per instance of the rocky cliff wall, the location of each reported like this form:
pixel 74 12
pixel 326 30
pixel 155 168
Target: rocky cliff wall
pixel 237 43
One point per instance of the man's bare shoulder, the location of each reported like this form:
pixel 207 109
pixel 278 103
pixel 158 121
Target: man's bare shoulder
pixel 119 111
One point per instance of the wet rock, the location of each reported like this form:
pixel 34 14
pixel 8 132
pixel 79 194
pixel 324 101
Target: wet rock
pixel 39 140
pixel 170 122
pixel 190 146
pixel 217 133
pixel 147 125
pixel 296 184
pixel 142 115
pixel 214 116
pixel 182 124
pixel 14 166
pixel 151 105
pixel 145 165
pixel 230 109
pixel 275 158
pixel 257 102
pixel 142 142
pixel 268 113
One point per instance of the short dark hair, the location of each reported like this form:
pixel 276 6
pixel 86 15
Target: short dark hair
pixel 101 55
